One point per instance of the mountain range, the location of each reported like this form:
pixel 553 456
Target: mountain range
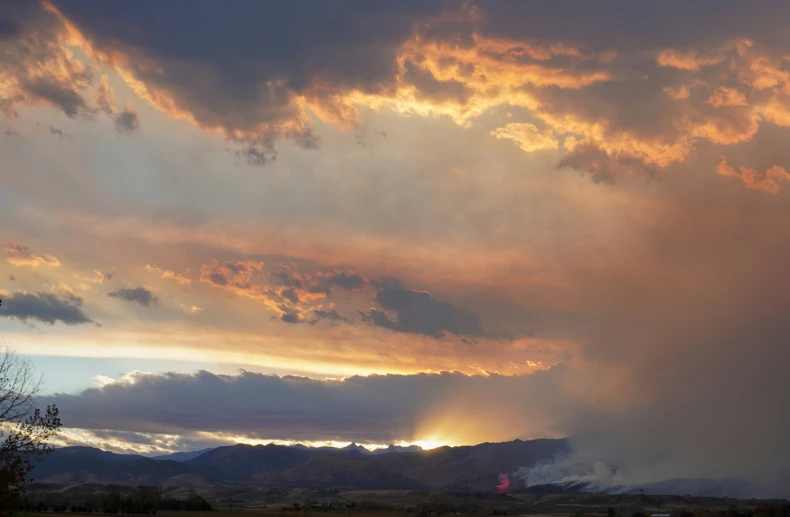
pixel 468 469
pixel 471 468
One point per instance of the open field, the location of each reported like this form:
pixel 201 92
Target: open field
pixel 280 502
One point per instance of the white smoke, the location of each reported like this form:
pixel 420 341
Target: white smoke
pixel 568 472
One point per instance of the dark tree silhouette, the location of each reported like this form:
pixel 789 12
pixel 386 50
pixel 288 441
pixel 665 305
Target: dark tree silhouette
pixel 25 431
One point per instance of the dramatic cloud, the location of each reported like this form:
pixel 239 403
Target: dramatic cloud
pixel 44 307
pixel 257 94
pixel 283 288
pixel 19 255
pixel 378 409
pixel 141 295
pixel 36 68
pixel 549 188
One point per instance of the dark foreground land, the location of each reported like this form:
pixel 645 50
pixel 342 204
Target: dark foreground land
pixel 297 502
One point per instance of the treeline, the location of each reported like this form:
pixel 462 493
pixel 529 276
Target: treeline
pixel 766 510
pixel 426 509
pixel 145 500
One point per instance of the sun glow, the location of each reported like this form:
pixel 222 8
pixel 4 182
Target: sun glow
pixel 430 444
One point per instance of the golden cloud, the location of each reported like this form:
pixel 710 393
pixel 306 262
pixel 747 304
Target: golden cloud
pixel 528 137
pixel 20 255
pixel 768 181
pixel 164 273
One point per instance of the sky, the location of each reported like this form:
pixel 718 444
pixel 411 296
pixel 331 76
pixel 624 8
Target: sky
pixel 441 222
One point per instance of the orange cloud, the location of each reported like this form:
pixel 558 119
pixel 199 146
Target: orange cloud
pixel 768 181
pixel 690 60
pixel 528 137
pixel 169 274
pixel 726 97
pixel 37 69
pixel 20 255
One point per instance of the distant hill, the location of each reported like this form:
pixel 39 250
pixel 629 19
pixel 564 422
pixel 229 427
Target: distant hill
pixel 88 465
pixel 471 468
pixel 182 456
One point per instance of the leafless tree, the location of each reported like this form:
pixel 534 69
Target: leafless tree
pixel 25 432
pixel 19 386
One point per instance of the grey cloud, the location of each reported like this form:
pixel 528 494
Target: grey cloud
pixel 63 96
pixel 629 24
pixel 378 408
pixel 143 443
pixel 44 307
pixel 345 280
pixel 126 121
pixel 258 155
pixel 291 295
pixel 290 317
pixel 59 132
pixel 603 167
pixel 244 77
pixel 141 295
pixel 386 282
pixel 330 315
pixel 8 29
pixel 418 312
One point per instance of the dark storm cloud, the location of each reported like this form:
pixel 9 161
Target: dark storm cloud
pixel 8 28
pixel 44 307
pixel 141 295
pixel 632 25
pixel 126 121
pixel 238 65
pixel 378 408
pixel 418 312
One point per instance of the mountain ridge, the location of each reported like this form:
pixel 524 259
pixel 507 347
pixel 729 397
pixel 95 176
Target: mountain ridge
pixel 474 468
pixel 461 468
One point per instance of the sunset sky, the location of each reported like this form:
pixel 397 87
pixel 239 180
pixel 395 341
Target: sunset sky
pixel 433 222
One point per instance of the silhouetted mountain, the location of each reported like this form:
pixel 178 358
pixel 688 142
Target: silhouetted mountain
pixel 89 465
pixel 243 459
pixel 362 449
pixel 338 471
pixel 182 456
pixel 458 468
pixel 395 448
